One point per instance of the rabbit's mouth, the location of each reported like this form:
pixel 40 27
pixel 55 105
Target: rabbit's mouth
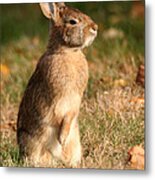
pixel 89 40
pixel 93 32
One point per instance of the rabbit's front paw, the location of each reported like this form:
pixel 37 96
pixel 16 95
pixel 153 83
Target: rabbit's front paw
pixel 63 139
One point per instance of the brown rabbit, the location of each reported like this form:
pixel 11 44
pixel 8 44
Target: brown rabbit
pixel 47 119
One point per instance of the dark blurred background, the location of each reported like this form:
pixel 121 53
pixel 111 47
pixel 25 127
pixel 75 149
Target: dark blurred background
pixel 26 20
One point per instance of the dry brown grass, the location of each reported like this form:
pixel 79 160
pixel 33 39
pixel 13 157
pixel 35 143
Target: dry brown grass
pixel 110 124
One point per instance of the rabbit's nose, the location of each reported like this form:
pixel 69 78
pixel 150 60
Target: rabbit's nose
pixel 93 31
pixel 95 27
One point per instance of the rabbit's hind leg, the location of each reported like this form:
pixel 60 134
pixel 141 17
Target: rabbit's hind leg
pixel 72 149
pixel 39 158
pixel 33 150
pixel 45 159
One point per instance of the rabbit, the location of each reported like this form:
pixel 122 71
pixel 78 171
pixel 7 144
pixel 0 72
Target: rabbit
pixel 47 125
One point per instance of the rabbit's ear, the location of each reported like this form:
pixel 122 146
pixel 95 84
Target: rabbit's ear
pixel 60 4
pixel 50 9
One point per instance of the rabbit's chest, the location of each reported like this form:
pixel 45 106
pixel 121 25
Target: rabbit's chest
pixel 80 74
pixel 71 73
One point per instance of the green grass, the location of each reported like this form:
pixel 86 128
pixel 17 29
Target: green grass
pixel 110 122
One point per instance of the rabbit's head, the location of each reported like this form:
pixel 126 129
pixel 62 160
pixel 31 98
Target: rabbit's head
pixel 69 25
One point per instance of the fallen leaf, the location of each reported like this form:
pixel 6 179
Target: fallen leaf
pixel 137 100
pixel 120 82
pixel 4 70
pixel 4 73
pixel 9 125
pixel 137 10
pixel 136 159
pixel 140 79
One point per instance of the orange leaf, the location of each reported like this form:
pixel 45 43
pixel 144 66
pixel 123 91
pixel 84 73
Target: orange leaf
pixel 120 82
pixel 4 70
pixel 137 100
pixel 136 154
pixel 140 79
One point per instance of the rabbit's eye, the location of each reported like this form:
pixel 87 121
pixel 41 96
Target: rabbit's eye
pixel 72 22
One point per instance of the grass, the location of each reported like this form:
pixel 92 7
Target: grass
pixel 111 121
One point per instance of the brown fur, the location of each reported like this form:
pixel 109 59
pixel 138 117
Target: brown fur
pixel 47 119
